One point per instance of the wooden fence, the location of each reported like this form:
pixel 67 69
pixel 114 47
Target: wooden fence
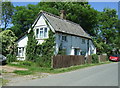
pixel 102 58
pixel 61 61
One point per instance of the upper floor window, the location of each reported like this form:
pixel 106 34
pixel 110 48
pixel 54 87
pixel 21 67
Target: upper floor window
pixel 64 38
pixel 83 41
pixel 42 33
pixel 37 33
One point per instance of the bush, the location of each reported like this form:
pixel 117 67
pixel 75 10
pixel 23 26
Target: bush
pixel 11 58
pixel 95 58
pixel 26 63
pixel 43 61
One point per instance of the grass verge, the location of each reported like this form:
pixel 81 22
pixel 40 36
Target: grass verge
pixel 22 72
pixel 33 69
pixel 3 81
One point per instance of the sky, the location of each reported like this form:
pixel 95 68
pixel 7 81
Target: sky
pixel 96 5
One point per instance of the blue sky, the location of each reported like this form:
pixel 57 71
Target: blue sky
pixel 96 5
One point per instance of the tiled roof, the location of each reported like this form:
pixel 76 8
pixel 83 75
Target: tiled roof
pixel 65 26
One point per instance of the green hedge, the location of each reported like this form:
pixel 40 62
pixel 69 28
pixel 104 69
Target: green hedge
pixel 95 58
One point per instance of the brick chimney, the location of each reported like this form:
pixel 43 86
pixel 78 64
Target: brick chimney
pixel 62 14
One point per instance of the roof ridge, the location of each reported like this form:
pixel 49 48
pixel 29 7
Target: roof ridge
pixel 60 18
pixel 50 14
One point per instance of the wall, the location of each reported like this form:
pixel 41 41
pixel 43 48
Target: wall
pixel 22 42
pixel 72 43
pixel 41 23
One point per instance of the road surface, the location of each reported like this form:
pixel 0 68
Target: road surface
pixel 102 75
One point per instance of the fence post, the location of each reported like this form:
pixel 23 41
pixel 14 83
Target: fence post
pixel 99 58
pixel 52 61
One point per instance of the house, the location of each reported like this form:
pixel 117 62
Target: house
pixel 68 35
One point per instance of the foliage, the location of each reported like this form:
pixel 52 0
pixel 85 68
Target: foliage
pixel 78 12
pixel 26 63
pixel 62 52
pixel 41 53
pixel 23 18
pixel 47 51
pixel 7 12
pixel 31 46
pixel 8 42
pixel 107 33
pixel 34 69
pixel 11 58
pixel 95 58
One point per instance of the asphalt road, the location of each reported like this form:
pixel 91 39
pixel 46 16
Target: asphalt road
pixel 102 75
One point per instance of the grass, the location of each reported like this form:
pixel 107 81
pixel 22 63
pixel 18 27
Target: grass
pixel 33 69
pixel 22 72
pixel 3 81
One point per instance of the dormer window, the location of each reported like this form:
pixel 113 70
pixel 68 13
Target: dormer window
pixel 41 33
pixel 37 33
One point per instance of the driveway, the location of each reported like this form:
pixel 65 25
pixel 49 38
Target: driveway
pixel 102 75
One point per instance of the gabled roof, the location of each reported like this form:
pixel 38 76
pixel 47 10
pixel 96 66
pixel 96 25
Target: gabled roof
pixel 65 26
pixel 62 25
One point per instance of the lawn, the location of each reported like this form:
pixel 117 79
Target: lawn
pixel 33 68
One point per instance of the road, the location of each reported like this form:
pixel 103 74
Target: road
pixel 102 75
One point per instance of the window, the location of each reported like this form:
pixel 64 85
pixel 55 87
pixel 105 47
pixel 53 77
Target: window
pixel 76 51
pixel 83 52
pixel 20 51
pixel 64 38
pixel 59 37
pixel 41 33
pixel 83 41
pixel 45 32
pixel 37 33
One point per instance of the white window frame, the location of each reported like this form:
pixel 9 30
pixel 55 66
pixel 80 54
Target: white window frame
pixel 42 30
pixel 22 51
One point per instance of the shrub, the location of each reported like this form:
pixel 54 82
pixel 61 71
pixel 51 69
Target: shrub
pixel 43 61
pixel 107 58
pixel 11 58
pixel 26 63
pixel 95 58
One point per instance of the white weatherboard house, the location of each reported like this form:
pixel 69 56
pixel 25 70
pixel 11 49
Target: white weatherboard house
pixel 68 34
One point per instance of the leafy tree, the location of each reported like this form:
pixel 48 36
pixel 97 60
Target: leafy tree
pixel 8 42
pixel 7 12
pixel 106 32
pixel 78 12
pixel 31 47
pixel 23 18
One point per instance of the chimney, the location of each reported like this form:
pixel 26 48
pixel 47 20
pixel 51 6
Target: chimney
pixel 62 14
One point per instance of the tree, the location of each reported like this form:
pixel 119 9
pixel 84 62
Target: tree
pixel 78 12
pixel 23 18
pixel 7 12
pixel 8 42
pixel 31 46
pixel 107 32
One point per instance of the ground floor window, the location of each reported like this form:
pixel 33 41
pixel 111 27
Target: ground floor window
pixel 76 51
pixel 20 51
